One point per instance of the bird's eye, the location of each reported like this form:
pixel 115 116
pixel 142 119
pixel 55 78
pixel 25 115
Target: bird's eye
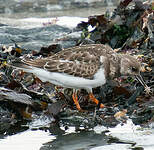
pixel 134 69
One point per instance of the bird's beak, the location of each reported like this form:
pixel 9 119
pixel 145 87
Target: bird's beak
pixel 140 79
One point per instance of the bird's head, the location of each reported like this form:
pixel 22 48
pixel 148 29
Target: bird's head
pixel 129 66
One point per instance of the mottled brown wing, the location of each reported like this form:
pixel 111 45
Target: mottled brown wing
pixel 82 61
pixel 80 64
pixel 79 69
pixel 91 51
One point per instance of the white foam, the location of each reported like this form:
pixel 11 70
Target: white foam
pixel 28 23
pixel 28 140
pixel 70 22
pixel 134 133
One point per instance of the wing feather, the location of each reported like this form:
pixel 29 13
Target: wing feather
pixel 82 61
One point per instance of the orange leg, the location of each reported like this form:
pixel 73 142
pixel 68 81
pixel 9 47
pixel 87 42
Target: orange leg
pixel 75 99
pixel 92 97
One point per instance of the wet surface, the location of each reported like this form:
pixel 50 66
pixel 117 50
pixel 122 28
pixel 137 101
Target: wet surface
pixel 75 130
pixel 77 12
pixel 73 141
pixel 122 137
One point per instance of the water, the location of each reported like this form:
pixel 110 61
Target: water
pixel 34 37
pixel 61 138
pixel 80 12
pixel 70 139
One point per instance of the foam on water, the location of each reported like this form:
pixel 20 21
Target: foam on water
pixel 69 22
pixel 134 133
pixel 27 140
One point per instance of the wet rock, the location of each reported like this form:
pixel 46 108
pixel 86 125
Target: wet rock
pixel 9 95
pixel 55 129
pixel 3 79
pixel 50 50
pixel 6 120
pixel 55 108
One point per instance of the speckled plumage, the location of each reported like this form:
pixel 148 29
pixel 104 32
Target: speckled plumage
pixel 84 63
pixel 83 67
pixel 81 61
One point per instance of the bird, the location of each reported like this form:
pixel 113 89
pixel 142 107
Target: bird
pixel 83 67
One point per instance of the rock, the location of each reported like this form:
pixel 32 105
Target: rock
pixel 9 95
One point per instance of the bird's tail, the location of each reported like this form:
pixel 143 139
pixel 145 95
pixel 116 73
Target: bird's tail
pixel 19 64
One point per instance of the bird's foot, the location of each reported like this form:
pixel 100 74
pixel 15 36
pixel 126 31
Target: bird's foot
pixel 92 97
pixel 75 99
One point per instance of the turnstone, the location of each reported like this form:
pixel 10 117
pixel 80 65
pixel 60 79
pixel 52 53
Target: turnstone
pixel 83 67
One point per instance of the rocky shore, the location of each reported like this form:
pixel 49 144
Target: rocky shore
pixel 27 104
